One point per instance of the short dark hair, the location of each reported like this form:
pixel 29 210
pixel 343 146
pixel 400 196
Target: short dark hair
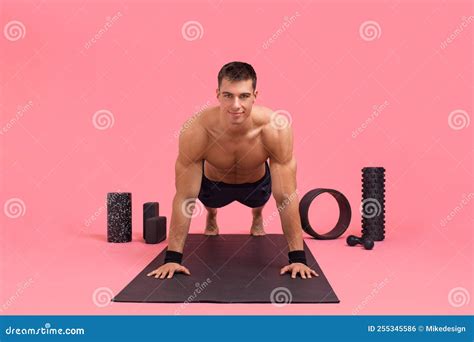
pixel 237 71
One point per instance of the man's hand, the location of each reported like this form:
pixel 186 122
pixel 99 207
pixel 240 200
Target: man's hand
pixel 300 268
pixel 169 269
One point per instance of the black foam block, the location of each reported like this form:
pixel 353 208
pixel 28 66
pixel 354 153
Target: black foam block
pixel 155 229
pixel 150 209
pixel 231 268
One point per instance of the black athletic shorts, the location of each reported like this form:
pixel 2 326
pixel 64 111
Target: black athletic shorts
pixel 215 194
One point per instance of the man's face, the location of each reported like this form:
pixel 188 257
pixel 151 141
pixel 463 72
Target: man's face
pixel 236 99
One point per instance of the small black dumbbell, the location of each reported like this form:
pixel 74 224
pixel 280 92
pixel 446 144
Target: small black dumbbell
pixel 353 240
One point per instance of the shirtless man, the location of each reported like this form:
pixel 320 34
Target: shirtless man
pixel 223 158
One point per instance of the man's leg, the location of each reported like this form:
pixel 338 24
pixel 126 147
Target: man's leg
pixel 211 222
pixel 257 222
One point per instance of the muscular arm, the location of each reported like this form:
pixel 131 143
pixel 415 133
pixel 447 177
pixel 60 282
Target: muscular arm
pixel 188 174
pixel 279 144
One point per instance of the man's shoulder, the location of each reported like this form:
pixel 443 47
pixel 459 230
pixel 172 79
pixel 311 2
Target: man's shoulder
pixel 276 124
pixel 193 131
pixel 262 114
pixel 277 135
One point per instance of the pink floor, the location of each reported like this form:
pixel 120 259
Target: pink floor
pixel 402 275
pixel 57 165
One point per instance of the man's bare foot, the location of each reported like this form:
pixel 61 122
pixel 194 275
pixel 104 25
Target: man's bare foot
pixel 257 226
pixel 211 225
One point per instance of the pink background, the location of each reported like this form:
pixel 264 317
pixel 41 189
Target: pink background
pixel 57 166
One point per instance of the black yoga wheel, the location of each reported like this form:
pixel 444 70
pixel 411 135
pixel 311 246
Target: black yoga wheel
pixel 344 214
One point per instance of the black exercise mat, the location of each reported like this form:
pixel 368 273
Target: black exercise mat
pixel 231 268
